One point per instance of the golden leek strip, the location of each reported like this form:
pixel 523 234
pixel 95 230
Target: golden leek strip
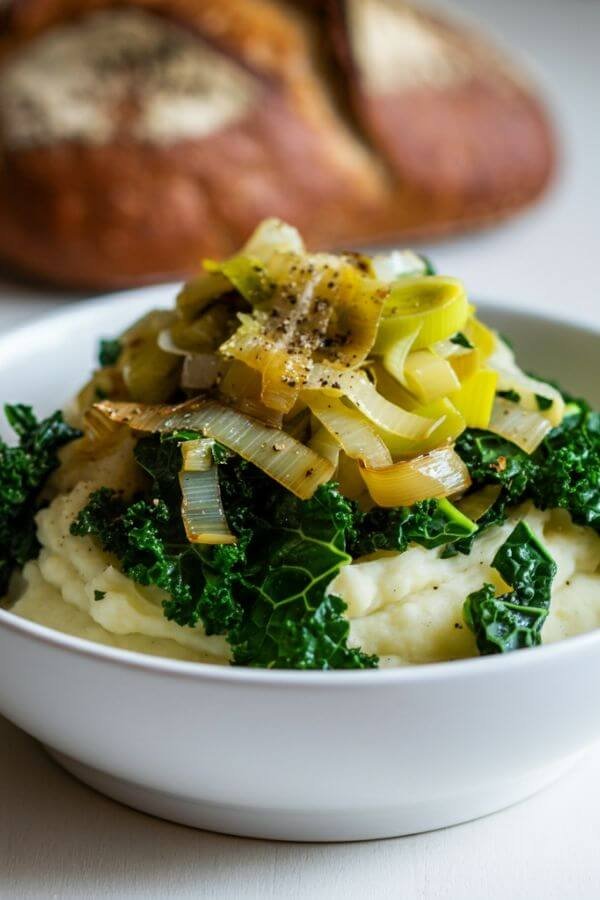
pixel 525 428
pixel 440 473
pixel 325 444
pixel 464 360
pixel 475 398
pixel 475 505
pixel 451 425
pixel 200 292
pixel 362 393
pixel 482 337
pixel 201 507
pixel 352 431
pixel 248 275
pixel 394 359
pixel 241 387
pixel 292 464
pixel 351 482
pixel 390 388
pixel 428 376
pixel 529 389
pixel 436 305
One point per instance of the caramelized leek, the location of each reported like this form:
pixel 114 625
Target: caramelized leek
pixel 523 427
pixel 450 425
pixel 362 393
pixel 292 464
pixel 437 306
pixel 394 359
pixel 349 428
pixel 201 508
pixel 475 398
pixel 440 473
pixel 428 376
pixel 482 338
pixel 475 505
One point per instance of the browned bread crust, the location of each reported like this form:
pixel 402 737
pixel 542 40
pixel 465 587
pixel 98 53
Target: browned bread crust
pixel 299 122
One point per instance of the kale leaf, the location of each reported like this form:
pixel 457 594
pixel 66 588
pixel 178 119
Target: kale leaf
pixel 23 472
pixel 564 472
pixel 430 523
pixel 268 592
pixel 513 620
pixel 462 340
pixel 109 351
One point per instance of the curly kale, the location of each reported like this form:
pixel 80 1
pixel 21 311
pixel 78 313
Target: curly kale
pixel 513 620
pixel 564 472
pixel 23 472
pixel 268 592
pixel 430 523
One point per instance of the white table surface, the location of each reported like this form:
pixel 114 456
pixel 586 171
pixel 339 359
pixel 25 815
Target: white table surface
pixel 59 839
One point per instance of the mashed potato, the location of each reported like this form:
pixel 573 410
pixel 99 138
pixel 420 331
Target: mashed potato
pixel 406 608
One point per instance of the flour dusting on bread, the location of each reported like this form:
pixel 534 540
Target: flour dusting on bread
pixel 120 71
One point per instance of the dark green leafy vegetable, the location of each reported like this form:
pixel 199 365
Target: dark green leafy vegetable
pixel 99 595
pixel 564 472
pixel 513 620
pixel 462 340
pixel 109 351
pixel 268 592
pixel 430 523
pixel 543 403
pixel 23 472
pixel 512 396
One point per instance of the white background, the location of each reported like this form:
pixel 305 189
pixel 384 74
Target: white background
pixel 59 839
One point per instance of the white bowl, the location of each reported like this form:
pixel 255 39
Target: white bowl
pixel 295 755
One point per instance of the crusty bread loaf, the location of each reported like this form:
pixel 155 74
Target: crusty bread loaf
pixel 138 137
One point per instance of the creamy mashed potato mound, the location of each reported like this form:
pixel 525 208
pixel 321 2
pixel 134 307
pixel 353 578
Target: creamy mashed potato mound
pixel 406 608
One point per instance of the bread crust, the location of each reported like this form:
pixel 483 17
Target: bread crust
pixel 127 210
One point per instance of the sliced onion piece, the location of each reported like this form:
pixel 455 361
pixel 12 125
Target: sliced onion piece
pixel 440 473
pixel 475 398
pixel 201 507
pixel 428 376
pixel 475 505
pixel 525 428
pixel 349 428
pixel 364 395
pixel 292 464
pixel 436 305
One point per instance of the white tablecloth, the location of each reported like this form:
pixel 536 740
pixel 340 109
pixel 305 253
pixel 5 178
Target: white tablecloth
pixel 59 839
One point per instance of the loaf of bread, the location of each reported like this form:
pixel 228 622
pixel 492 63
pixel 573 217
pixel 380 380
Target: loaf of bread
pixel 138 137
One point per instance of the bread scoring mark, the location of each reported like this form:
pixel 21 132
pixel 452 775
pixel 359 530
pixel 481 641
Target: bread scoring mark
pixel 396 49
pixel 119 72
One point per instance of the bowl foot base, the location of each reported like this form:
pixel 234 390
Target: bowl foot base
pixel 321 825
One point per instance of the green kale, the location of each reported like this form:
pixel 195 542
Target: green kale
pixel 99 595
pixel 510 395
pixel 543 403
pixel 564 472
pixel 109 351
pixel 513 620
pixel 23 472
pixel 462 340
pixel 430 523
pixel 268 592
